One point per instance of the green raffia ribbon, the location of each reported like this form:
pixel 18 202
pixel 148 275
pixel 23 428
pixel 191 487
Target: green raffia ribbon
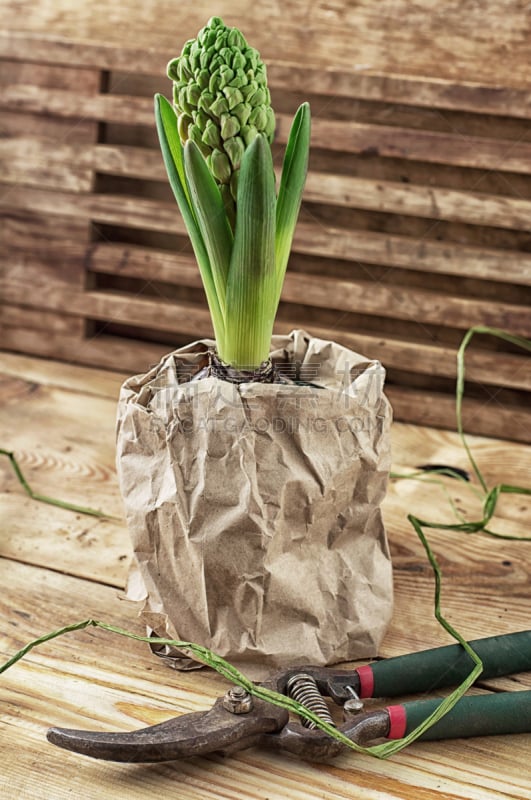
pixel 52 501
pixel 489 496
pixel 226 670
pixel 229 672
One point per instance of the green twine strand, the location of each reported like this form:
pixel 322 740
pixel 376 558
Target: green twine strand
pixel 42 498
pixel 226 670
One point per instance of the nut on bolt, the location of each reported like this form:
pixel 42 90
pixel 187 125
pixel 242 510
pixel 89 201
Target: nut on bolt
pixel 238 700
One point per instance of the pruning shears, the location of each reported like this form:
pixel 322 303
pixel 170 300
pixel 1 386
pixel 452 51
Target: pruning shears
pixel 238 720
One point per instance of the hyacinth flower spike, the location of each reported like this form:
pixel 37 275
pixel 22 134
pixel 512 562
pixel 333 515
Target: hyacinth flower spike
pixel 216 145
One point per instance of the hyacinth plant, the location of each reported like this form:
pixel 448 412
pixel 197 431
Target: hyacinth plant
pixel 216 144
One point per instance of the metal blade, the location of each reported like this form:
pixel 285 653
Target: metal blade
pixel 181 737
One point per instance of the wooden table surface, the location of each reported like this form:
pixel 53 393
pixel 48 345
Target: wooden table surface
pixel 58 567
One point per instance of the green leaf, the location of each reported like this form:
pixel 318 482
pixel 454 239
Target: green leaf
pixel 211 218
pixel 292 181
pixel 251 288
pixel 172 153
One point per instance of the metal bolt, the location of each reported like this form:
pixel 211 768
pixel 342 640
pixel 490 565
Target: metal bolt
pixel 238 700
pixel 354 705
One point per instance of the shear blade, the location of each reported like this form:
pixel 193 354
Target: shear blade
pixel 181 737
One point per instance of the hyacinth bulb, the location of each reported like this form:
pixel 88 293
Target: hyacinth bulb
pixel 222 100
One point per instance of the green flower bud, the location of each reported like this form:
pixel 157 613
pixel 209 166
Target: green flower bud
pixel 249 133
pixel 201 119
pixel 205 101
pixel 258 98
pixel 205 57
pixel 226 75
pixel 230 126
pixel 226 55
pixel 235 149
pixel 211 135
pixel 215 81
pixel 238 60
pixel 202 34
pixel 270 124
pixel 183 124
pixel 252 58
pixel 183 101
pixel 210 40
pixel 239 79
pixel 173 68
pixel 215 62
pixel 249 90
pixel 203 79
pixel 185 70
pixel 219 106
pixel 195 57
pixel 242 111
pixel 236 40
pixel 258 118
pixel 193 93
pixel 194 133
pixel 234 96
pixel 260 74
pixel 221 99
pixel 220 165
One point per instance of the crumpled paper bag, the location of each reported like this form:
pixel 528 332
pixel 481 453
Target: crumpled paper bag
pixel 254 509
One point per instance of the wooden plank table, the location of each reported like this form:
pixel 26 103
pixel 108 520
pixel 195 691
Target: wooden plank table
pixel 58 567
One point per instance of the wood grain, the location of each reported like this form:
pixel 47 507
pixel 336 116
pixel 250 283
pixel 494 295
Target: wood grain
pixel 58 165
pixel 64 376
pixel 96 680
pixel 315 239
pixel 373 140
pixel 432 357
pixel 192 319
pixel 481 416
pixel 360 296
pixel 46 129
pixel 43 321
pixel 454 44
pixel 365 82
pixel 99 349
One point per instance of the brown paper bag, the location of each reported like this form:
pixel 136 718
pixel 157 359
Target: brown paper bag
pixel 254 509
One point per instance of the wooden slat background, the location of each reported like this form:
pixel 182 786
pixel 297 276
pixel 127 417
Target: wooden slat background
pixel 416 222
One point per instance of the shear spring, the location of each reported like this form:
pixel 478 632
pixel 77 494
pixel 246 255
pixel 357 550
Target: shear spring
pixel 303 688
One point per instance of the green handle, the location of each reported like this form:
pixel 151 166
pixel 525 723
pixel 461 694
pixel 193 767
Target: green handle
pixel 448 666
pixel 481 715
